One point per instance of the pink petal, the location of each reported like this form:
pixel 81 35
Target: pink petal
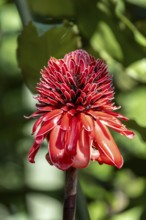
pixel 108 150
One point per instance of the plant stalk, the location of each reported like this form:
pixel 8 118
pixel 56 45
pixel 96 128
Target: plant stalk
pixel 69 208
pixel 24 11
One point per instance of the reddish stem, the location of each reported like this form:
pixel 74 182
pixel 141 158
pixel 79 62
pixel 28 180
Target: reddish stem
pixel 69 208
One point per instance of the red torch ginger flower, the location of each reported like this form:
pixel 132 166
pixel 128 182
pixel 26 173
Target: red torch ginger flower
pixel 74 112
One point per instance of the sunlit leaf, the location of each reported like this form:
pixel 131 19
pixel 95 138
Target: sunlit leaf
pixel 105 40
pixel 7 24
pixel 126 176
pixel 113 40
pixel 130 214
pixel 139 37
pixel 131 148
pixel 103 172
pixel 137 70
pixel 97 210
pixel 8 40
pixel 8 46
pixel 134 104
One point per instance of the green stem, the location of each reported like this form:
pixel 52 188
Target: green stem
pixel 82 210
pixel 69 209
pixel 23 10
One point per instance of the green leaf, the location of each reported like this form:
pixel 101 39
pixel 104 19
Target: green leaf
pixel 137 70
pixel 129 214
pixel 131 148
pixel 87 16
pixel 139 37
pixel 52 8
pixel 104 40
pixel 97 210
pixel 134 104
pixel 82 210
pixel 141 3
pixel 7 24
pixel 111 35
pixel 34 49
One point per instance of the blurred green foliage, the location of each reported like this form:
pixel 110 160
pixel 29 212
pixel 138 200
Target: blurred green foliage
pixel 114 30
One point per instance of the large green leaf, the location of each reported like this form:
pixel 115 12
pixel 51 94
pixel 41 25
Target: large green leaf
pixel 87 16
pixel 34 49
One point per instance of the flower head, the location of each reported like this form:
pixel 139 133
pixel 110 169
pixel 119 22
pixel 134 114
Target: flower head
pixel 75 108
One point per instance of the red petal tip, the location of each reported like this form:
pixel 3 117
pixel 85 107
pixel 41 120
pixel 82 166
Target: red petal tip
pixel 131 135
pixel 31 160
pixel 120 163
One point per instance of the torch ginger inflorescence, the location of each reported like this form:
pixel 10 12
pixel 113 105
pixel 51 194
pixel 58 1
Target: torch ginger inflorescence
pixel 75 108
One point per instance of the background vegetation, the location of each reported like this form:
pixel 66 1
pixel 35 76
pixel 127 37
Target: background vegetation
pixel 114 30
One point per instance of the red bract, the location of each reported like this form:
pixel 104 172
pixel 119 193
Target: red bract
pixel 74 112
